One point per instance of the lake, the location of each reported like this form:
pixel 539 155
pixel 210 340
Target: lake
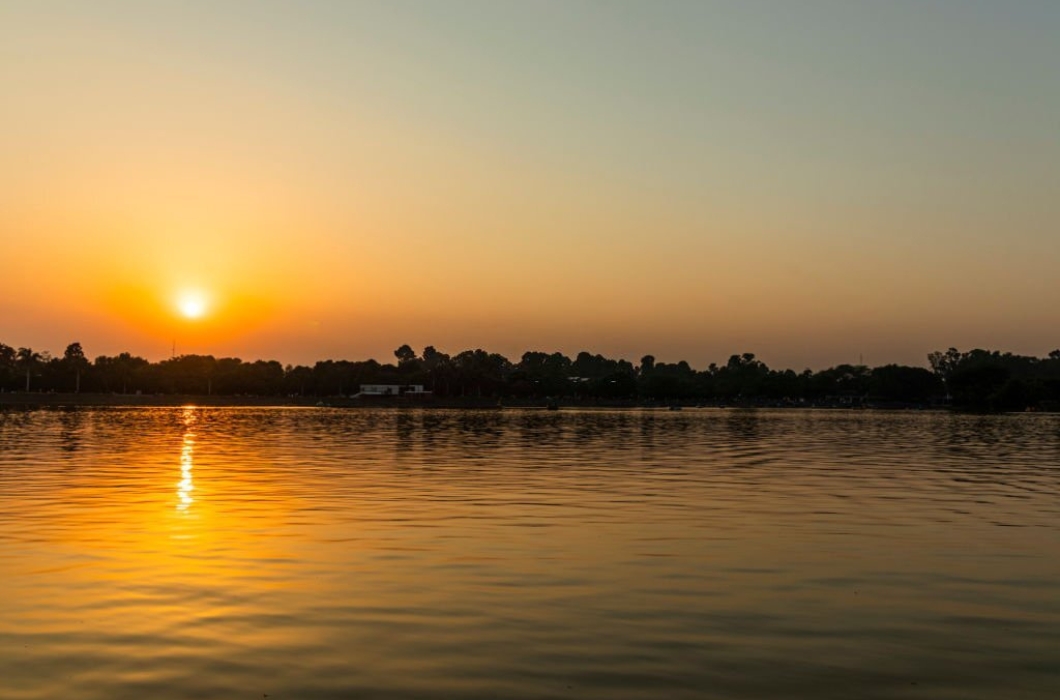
pixel 328 553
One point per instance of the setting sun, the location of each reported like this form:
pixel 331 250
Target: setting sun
pixel 192 304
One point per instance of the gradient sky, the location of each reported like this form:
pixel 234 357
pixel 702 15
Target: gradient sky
pixel 813 182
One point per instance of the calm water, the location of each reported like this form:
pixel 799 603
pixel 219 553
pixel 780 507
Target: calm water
pixel 320 553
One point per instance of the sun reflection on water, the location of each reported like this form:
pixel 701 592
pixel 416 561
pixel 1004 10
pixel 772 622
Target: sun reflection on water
pixel 185 486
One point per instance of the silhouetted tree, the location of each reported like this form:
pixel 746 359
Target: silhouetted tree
pixel 120 371
pixel 977 386
pixel 944 363
pixel 544 374
pixel 908 384
pixel 8 365
pixel 297 380
pixel 29 360
pixel 977 379
pixel 481 371
pixel 75 362
pixel 439 370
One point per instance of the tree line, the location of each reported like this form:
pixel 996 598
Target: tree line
pixel 978 379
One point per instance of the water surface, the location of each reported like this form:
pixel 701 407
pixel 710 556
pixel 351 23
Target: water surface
pixel 322 553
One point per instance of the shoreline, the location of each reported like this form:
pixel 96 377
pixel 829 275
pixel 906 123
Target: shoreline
pixel 62 400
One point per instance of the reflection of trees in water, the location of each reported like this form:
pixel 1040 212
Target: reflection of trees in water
pixel 481 430
pixel 405 428
pixel 647 432
pixel 744 424
pixel 584 429
pixel 436 428
pixel 533 428
pixel 497 429
pixel 665 430
pixel 481 422
pixel 436 422
pixel 989 437
pixel 592 428
pixel 991 442
pixel 977 454
pixel 71 429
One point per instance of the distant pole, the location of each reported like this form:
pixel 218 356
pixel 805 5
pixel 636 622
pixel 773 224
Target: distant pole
pixel 174 355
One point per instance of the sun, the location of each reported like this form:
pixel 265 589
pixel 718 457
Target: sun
pixel 192 304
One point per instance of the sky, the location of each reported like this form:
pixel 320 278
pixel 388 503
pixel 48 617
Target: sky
pixel 815 182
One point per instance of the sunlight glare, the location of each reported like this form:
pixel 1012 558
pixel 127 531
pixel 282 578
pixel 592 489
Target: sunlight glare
pixel 185 486
pixel 192 304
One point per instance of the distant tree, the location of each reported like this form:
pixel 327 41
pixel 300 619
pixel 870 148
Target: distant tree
pixel 647 364
pixel 977 379
pixel 944 363
pixel 544 374
pixel 742 377
pixel 439 369
pixel 484 371
pixel 74 360
pixel 978 385
pixel 113 372
pixel 28 360
pixel 8 365
pixel 335 377
pixel 898 383
pixel 298 379
pixel 266 377
pixel 668 381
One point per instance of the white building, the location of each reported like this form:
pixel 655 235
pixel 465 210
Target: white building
pixel 392 390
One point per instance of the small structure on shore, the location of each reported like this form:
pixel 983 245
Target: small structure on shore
pixel 411 390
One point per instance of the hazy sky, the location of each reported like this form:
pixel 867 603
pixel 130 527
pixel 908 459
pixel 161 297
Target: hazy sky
pixel 809 181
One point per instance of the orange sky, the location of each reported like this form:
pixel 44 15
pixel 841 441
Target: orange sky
pixel 692 181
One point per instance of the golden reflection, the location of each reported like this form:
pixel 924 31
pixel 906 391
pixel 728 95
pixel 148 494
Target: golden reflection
pixel 185 486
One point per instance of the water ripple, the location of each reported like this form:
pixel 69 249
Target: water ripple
pixel 324 553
